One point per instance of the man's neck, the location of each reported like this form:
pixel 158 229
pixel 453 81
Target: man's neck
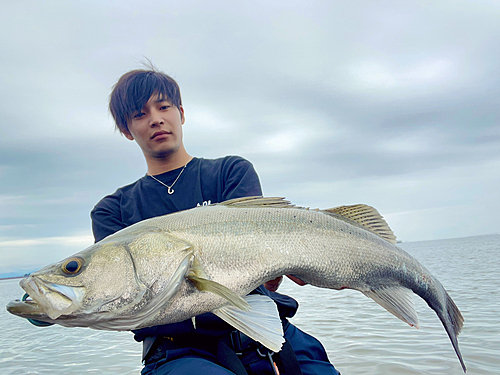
pixel 169 163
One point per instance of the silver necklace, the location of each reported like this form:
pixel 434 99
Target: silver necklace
pixel 169 188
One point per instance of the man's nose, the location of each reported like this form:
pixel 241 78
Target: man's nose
pixel 156 118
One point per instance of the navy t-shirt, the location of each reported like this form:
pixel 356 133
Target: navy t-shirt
pixel 204 181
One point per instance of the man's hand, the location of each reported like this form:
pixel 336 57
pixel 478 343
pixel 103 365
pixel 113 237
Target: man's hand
pixel 296 280
pixel 273 285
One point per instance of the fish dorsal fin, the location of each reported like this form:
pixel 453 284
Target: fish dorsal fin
pixel 368 217
pixel 258 201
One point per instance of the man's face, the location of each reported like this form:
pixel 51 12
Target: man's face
pixel 157 128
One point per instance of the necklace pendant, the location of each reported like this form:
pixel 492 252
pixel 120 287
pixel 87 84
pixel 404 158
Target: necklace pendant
pixel 170 191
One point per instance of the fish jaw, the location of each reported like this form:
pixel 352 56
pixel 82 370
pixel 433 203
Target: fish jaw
pixel 28 309
pixel 53 299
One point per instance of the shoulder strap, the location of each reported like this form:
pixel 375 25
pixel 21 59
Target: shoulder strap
pixel 287 360
pixel 228 358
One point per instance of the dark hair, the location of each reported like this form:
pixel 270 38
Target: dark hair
pixel 135 88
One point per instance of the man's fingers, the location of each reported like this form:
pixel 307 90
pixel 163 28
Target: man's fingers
pixel 296 280
pixel 273 285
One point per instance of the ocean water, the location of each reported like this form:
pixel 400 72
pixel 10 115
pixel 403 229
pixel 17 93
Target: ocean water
pixel 359 335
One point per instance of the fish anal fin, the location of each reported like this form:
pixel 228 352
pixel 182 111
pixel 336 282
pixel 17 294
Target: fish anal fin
pixel 398 301
pixel 368 217
pixel 261 323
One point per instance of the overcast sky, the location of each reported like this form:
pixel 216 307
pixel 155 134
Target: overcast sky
pixel 390 103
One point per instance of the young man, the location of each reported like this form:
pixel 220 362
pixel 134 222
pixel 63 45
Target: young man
pixel 147 108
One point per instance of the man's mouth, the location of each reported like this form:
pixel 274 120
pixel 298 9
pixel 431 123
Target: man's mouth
pixel 161 133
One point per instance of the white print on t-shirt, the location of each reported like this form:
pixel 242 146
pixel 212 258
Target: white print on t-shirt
pixel 205 203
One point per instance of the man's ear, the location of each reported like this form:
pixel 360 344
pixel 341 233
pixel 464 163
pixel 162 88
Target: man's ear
pixel 181 110
pixel 127 134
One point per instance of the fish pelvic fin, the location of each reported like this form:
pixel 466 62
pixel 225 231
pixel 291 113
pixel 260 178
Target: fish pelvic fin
pixel 398 301
pixel 198 277
pixel 366 216
pixel 261 323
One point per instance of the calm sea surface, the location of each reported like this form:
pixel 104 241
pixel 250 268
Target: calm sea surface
pixel 360 336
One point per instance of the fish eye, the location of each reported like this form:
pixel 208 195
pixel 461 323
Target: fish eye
pixel 72 266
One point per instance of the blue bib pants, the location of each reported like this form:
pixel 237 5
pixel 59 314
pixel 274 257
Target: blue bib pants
pixel 310 354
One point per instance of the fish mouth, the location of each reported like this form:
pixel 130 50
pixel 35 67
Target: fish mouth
pixel 48 299
pixel 28 309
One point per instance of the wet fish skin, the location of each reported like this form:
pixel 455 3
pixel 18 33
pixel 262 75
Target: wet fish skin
pixel 240 245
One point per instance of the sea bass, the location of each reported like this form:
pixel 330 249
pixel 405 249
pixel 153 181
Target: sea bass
pixel 207 259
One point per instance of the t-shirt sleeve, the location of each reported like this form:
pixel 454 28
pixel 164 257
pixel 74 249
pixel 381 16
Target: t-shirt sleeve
pixel 240 180
pixel 106 217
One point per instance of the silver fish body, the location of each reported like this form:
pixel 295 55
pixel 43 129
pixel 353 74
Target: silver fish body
pixel 174 267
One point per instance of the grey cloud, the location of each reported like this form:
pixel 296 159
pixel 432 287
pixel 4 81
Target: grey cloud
pixel 390 103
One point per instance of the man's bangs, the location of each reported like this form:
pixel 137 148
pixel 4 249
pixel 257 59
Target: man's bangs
pixel 153 84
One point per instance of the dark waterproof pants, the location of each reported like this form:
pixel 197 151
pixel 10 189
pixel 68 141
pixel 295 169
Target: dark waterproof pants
pixel 310 354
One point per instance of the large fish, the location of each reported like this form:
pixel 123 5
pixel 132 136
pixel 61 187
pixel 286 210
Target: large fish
pixel 207 259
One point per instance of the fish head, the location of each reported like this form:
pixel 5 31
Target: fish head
pixel 113 279
pixel 97 280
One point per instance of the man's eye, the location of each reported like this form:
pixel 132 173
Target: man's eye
pixel 139 115
pixel 164 107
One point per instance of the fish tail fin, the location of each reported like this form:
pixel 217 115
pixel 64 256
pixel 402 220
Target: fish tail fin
pixel 456 317
pixel 399 302
pixel 453 322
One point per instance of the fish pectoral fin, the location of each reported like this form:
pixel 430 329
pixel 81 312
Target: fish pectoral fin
pixel 261 323
pixel 206 285
pixel 200 280
pixel 398 301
